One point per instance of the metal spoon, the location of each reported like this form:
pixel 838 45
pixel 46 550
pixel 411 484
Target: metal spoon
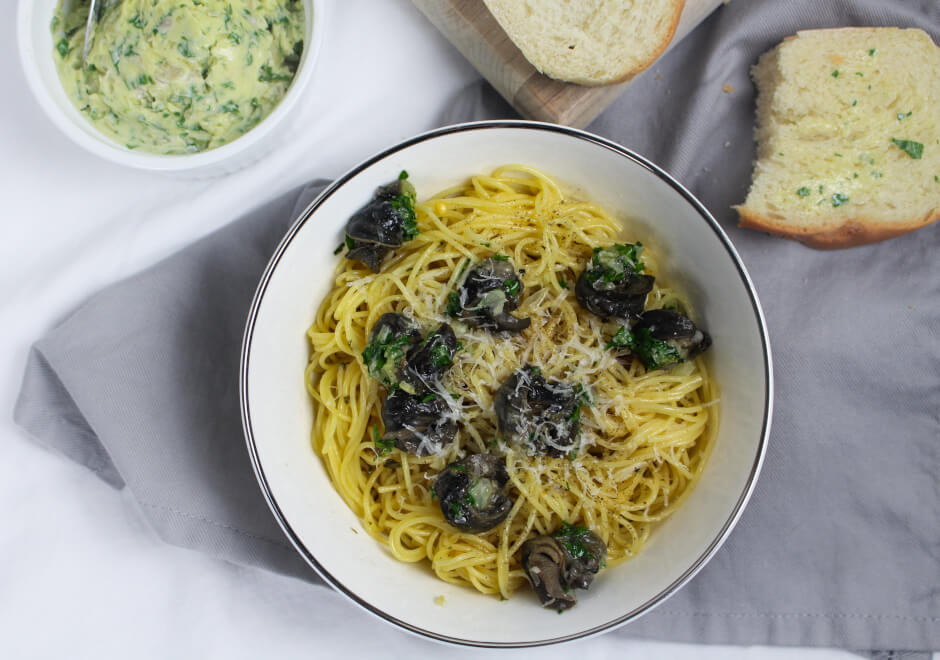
pixel 66 9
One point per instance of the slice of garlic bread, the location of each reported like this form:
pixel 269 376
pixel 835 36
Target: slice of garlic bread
pixel 848 135
pixel 590 42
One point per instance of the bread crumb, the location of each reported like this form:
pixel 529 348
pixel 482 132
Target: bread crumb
pixel 659 77
pixel 910 307
pixel 354 530
pixel 727 89
pixel 439 600
pixel 727 144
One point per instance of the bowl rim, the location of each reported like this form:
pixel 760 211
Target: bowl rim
pixel 726 528
pixel 105 147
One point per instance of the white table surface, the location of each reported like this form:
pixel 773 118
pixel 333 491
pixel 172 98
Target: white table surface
pixel 81 575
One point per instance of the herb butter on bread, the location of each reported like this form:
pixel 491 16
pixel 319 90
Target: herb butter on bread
pixel 589 42
pixel 848 137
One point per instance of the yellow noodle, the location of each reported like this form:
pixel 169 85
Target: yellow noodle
pixel 646 434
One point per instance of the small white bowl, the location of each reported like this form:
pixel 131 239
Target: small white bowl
pixel 277 414
pixel 36 55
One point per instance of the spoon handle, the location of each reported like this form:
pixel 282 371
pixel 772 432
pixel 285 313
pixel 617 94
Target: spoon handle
pixel 90 29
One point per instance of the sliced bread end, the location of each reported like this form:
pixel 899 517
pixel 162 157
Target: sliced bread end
pixel 590 42
pixel 848 137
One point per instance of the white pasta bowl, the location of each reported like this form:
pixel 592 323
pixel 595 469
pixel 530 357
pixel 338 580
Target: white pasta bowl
pixel 277 414
pixel 36 49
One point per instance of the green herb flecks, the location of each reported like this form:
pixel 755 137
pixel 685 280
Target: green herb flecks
pixel 838 199
pixel 267 74
pixel 615 263
pixel 453 307
pixel 835 73
pixel 582 398
pixel 384 355
pixel 621 339
pixel 184 49
pixel 440 356
pixel 138 21
pixel 913 149
pixel 562 283
pixel 653 353
pixel 571 538
pixel 904 115
pixel 512 287
pixel 404 203
pixel 382 445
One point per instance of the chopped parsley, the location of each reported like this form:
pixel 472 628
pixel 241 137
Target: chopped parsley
pixel 582 398
pixel 621 339
pixel 873 51
pixel 854 102
pixel 382 445
pixel 615 263
pixel 562 283
pixel 838 199
pixel 229 106
pixel 63 47
pixel 835 73
pixel 910 147
pixel 404 203
pixel 440 357
pixel 803 192
pixel 512 287
pixel 267 74
pixel 571 538
pixel 383 356
pixel 340 248
pixel 184 49
pixel 138 21
pixel 500 257
pixel 453 304
pixel 654 353
pixel 904 115
pixel 430 396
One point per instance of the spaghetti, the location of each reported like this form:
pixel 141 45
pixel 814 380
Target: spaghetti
pixel 644 437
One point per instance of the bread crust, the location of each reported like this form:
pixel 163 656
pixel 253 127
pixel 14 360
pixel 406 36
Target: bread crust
pixel 665 39
pixel 664 43
pixel 854 231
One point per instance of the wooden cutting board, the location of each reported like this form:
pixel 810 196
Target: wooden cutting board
pixel 470 26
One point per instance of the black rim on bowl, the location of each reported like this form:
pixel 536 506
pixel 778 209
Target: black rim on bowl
pixel 712 547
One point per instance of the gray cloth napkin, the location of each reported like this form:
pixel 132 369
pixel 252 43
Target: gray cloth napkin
pixel 840 545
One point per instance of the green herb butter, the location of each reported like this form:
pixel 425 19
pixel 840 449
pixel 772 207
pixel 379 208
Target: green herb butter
pixel 179 76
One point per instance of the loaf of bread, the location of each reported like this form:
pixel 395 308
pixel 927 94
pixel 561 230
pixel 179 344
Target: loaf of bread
pixel 848 137
pixel 590 42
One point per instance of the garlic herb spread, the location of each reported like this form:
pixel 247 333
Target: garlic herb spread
pixel 179 76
